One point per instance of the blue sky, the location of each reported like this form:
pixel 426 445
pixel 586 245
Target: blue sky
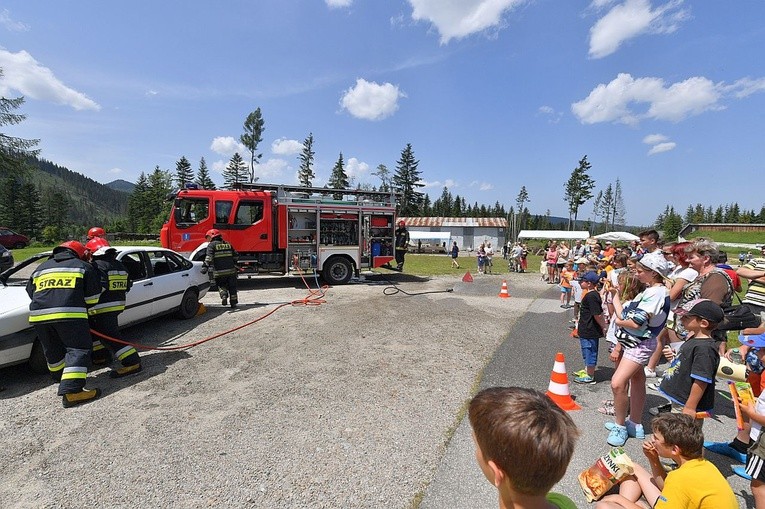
pixel 668 96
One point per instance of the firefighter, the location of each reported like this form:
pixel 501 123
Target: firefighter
pixel 96 232
pixel 222 258
pixel 115 283
pixel 402 243
pixel 62 289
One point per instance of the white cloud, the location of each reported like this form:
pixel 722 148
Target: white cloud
pixel 631 19
pixel 25 74
pixel 115 171
pixel 746 87
pixel 285 147
pixel 227 146
pixel 653 139
pixel 355 168
pixel 482 186
pixel 599 4
pixel 552 115
pixel 336 4
pixel 10 24
pixel 371 101
pixel 455 19
pixel 662 147
pixel 271 170
pixel 612 102
pixel 448 183
pixel 219 166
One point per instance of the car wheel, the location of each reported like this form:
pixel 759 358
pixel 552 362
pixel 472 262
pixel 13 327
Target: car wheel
pixel 189 305
pixel 37 362
pixel 19 245
pixel 337 271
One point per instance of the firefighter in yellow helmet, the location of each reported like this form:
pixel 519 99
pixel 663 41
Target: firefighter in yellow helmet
pixel 221 258
pixel 62 289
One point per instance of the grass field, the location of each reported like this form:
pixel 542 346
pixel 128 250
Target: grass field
pixel 730 237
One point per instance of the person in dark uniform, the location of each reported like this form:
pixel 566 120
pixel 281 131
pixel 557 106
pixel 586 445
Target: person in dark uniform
pixel 402 243
pixel 222 258
pixel 62 289
pixel 115 284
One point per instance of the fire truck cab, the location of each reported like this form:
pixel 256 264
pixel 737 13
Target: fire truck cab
pixel 288 229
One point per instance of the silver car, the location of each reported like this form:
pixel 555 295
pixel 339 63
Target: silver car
pixel 163 282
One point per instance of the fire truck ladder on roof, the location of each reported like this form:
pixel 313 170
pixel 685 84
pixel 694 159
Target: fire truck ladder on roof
pixel 282 191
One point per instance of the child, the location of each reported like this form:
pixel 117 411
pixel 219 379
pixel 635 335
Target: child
pixel 690 379
pixel 590 327
pixel 695 484
pixel 566 276
pixel 481 254
pixel 756 415
pixel 524 443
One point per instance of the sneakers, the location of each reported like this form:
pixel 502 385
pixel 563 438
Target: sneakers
pixel 725 449
pixel 654 386
pixel 581 372
pixel 125 371
pixel 649 373
pixel 740 470
pixel 78 398
pixel 667 407
pixel 617 437
pixel 633 430
pixel 585 380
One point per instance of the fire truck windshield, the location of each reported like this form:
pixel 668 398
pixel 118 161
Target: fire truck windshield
pixel 191 210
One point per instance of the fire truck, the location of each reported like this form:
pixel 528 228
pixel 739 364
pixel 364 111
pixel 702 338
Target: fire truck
pixel 282 229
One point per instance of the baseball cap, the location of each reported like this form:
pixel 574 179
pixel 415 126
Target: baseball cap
pixel 656 263
pixel 590 276
pixel 608 242
pixel 757 341
pixel 703 308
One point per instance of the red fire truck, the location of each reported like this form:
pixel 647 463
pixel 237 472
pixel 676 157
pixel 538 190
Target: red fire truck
pixel 286 229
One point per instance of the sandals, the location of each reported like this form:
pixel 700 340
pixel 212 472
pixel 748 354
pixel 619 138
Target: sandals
pixel 607 408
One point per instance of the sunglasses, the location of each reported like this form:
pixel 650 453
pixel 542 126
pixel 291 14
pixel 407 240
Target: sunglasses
pixel 667 253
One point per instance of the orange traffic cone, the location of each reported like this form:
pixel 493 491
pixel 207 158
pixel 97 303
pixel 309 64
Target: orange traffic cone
pixel 558 388
pixel 201 309
pixel 467 278
pixel 504 293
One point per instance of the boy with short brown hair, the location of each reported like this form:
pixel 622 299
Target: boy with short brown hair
pixel 524 443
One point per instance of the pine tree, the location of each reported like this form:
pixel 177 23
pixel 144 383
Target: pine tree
pixel 305 173
pixel 384 175
pixel 137 204
pixel 31 223
pixel 578 189
pixel 338 179
pixel 253 135
pixel 183 172
pixel 235 172
pixel 520 200
pixel 406 181
pixel 158 208
pixel 617 212
pixel 203 176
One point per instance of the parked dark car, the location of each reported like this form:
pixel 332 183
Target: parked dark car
pixel 6 259
pixel 12 240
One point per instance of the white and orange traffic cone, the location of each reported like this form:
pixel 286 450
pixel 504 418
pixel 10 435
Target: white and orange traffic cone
pixel 467 278
pixel 558 390
pixel 503 292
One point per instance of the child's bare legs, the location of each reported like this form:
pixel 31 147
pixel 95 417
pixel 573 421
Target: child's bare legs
pixel 627 371
pixel 758 490
pixel 656 355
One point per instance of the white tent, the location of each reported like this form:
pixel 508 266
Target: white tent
pixel 435 237
pixel 553 234
pixel 617 236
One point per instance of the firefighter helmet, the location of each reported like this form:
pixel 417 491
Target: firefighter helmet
pixel 74 246
pixel 96 231
pixel 401 222
pixel 98 246
pixel 212 233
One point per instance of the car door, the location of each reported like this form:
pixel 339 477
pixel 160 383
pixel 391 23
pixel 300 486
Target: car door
pixel 140 299
pixel 170 279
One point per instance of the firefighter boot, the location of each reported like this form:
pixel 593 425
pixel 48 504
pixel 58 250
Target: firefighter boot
pixel 223 295
pixel 78 398
pixel 234 301
pixel 125 371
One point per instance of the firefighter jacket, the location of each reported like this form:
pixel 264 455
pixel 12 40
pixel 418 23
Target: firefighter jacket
pixel 402 239
pixel 62 288
pixel 221 257
pixel 114 283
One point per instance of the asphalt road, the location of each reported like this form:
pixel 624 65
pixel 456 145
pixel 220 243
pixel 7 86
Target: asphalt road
pixel 525 358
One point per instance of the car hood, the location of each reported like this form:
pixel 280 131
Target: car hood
pixel 14 309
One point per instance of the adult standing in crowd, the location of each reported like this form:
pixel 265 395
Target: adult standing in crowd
pixel 649 243
pixel 402 244
pixel 221 258
pixel 551 259
pixel 455 252
pixel 489 257
pixel 577 250
pixel 754 271
pixel 62 289
pixel 563 256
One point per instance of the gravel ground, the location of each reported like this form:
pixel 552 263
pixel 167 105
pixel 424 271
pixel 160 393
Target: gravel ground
pixel 347 404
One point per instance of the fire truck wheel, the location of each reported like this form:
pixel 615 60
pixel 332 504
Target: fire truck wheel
pixel 189 305
pixel 337 271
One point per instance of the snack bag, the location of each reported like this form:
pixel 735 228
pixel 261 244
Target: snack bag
pixel 607 471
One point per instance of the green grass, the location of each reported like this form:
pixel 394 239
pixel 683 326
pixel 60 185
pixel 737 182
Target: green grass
pixel 441 264
pixel 730 237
